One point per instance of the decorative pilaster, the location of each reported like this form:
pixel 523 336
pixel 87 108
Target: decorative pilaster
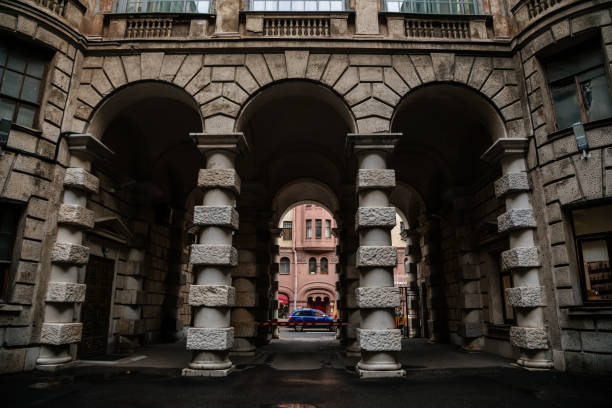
pixel 376 295
pixel 530 334
pixel 211 294
pixel 59 329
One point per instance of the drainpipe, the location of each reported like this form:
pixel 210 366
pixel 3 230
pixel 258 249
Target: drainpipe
pixel 295 279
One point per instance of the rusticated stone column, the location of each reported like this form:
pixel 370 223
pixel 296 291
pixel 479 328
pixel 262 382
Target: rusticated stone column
pixel 413 254
pixel 61 327
pixel 376 296
pixel 211 294
pixel 530 334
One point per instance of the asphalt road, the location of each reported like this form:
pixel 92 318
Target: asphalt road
pixel 309 369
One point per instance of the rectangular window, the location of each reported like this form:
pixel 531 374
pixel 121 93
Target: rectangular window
pixel 327 228
pixel 163 6
pixel 506 282
pixel 318 229
pixel 296 5
pixel 21 74
pixel 593 235
pixel 287 230
pixel 432 6
pixel 308 228
pixel 9 221
pixel 578 85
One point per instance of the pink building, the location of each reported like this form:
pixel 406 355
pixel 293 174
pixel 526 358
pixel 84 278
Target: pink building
pixel 307 273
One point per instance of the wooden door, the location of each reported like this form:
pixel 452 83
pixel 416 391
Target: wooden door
pixel 95 312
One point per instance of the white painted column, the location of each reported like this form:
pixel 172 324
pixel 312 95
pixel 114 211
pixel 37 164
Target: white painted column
pixel 211 294
pixel 61 327
pixel 530 334
pixel 376 257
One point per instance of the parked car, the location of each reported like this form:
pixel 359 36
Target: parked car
pixel 310 315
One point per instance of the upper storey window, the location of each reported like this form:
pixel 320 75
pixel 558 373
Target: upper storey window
pixel 163 6
pixel 578 85
pixel 297 5
pixel 432 6
pixel 21 75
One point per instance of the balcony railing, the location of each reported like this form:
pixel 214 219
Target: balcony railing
pixel 163 6
pixel 297 5
pixel 459 7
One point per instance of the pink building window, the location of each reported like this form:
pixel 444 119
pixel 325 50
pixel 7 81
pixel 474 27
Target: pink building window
pixel 308 228
pixel 312 266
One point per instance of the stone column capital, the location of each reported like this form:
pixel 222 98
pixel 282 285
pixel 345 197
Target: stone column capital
pixel 505 147
pixel 88 147
pixel 231 142
pixel 357 143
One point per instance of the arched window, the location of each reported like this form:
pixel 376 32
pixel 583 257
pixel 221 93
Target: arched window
pixel 324 265
pixel 285 266
pixel 312 266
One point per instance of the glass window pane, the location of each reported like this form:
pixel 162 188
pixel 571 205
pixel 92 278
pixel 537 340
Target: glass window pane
pixel 566 105
pixel 25 116
pixel 324 5
pixel 598 274
pixel 596 97
pixel 31 89
pixel 16 62
pixel 284 6
pixel 259 5
pixel 11 84
pixel 297 6
pixel 35 68
pixel 7 109
pixel 271 6
pixel 310 6
pixel 592 220
pixel 3 53
pixel 337 6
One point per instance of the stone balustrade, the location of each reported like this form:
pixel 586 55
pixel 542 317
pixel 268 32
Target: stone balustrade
pixel 527 11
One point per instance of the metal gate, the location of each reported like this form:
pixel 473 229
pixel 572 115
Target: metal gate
pixel 95 312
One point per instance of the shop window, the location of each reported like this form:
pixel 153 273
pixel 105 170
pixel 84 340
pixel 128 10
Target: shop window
pixel 285 266
pixel 327 228
pixel 21 74
pixel 312 266
pixel 287 230
pixel 432 6
pixel 578 85
pixel 308 228
pixel 9 222
pixel 593 235
pixel 324 266
pixel 318 226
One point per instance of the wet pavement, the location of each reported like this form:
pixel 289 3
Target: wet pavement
pixel 307 369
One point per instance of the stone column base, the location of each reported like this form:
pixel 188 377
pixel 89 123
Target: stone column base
pixel 56 367
pixel 189 372
pixel 535 365
pixel 380 374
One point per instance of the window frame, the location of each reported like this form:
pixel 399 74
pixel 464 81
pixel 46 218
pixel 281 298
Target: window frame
pixel 328 229
pixel 15 250
pixel 577 240
pixel 287 230
pixel 281 263
pixel 318 228
pixel 430 5
pixel 325 261
pixel 573 79
pixel 30 51
pixel 308 229
pixel 311 270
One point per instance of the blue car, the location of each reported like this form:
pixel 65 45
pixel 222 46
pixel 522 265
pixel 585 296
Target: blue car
pixel 310 315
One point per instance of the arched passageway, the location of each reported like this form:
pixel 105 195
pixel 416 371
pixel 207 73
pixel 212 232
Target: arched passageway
pixel 147 189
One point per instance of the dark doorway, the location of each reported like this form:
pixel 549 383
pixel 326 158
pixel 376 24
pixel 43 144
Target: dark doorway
pixel 95 312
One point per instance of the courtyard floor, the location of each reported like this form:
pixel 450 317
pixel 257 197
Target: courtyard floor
pixel 304 370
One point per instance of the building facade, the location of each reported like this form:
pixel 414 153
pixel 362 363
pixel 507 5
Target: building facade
pixel 150 149
pixel 307 261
